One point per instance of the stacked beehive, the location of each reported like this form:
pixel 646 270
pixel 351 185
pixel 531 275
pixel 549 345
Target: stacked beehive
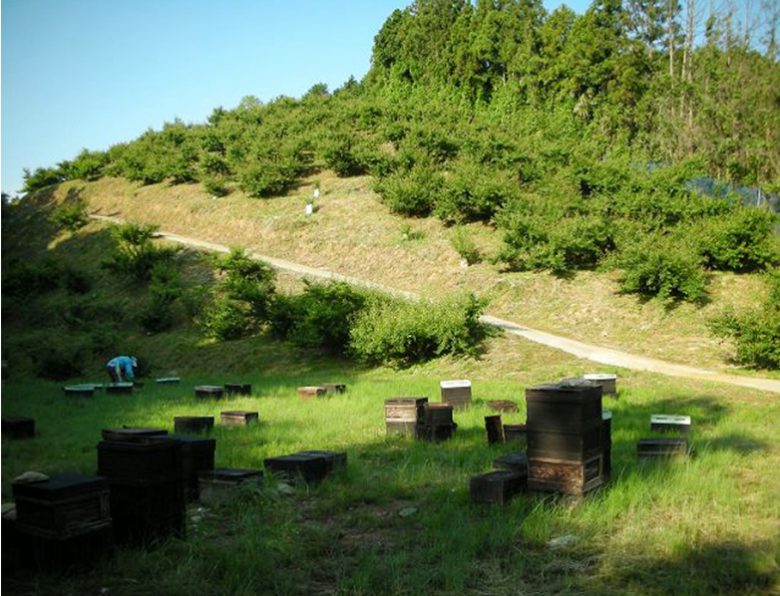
pixel 403 415
pixel 146 475
pixel 565 434
pixel 61 521
pixel 437 423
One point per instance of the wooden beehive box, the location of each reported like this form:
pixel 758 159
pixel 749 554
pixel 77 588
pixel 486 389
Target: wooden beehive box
pixel 403 414
pixel 437 414
pixel 310 391
pixel 168 380
pixel 496 487
pixel 335 460
pixel 335 387
pixel 670 423
pixel 516 433
pixel 494 429
pixel 563 407
pixel 662 448
pixel 238 389
pixel 512 461
pixel 501 405
pixel 18 427
pixel 119 388
pixel 209 391
pixel 197 455
pixel 565 446
pixel 63 505
pixel 607 381
pixel 568 477
pixel 193 424
pixel 311 468
pixel 154 460
pixel 457 393
pixel 239 418
pixel 79 390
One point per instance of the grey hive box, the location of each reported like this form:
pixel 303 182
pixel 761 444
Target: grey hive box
pixel 457 393
pixel 209 391
pixel 670 423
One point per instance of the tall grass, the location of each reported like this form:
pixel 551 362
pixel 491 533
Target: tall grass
pixel 399 519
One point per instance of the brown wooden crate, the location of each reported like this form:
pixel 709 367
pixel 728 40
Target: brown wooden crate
pixel 497 487
pixel 565 476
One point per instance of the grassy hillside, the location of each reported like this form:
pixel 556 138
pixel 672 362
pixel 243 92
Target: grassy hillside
pixel 353 234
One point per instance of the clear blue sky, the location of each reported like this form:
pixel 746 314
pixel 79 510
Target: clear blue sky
pixel 92 73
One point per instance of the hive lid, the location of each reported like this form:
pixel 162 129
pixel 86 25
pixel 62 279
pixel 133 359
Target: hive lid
pixel 209 388
pixel 670 419
pixel 60 486
pixel 600 377
pixel 123 385
pixel 458 383
pixel 168 380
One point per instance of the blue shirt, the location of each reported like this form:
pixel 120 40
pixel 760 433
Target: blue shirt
pixel 125 364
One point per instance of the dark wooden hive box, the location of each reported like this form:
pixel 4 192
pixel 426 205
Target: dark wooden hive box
pixel 79 390
pixel 670 423
pixel 436 432
pixel 660 448
pixel 575 478
pixel 140 463
pixel 311 468
pixel 238 389
pixel 18 427
pixel 565 446
pixel 63 505
pixel 336 460
pixel 209 391
pixel 197 455
pixel 501 405
pixel 119 388
pixel 311 391
pixel 239 418
pixel 457 393
pixel 335 387
pixel 193 424
pixel 133 435
pixel 516 433
pixel 512 461
pixel 496 487
pixel 437 414
pixel 562 407
pixel 494 429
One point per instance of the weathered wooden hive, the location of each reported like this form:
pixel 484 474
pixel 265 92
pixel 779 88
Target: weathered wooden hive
pixel 59 523
pixel 403 415
pixel 496 487
pixel 197 456
pixel 332 388
pixel 607 381
pixel 457 393
pixel 672 447
pixel 147 487
pixel 565 446
pixel 219 484
pixel 311 466
pixel 437 424
pixel 494 429
pixel 79 390
pixel 670 423
pixel 501 405
pixel 238 389
pixel 18 427
pixel 239 418
pixel 209 391
pixel 119 388
pixel 310 391
pixel 193 424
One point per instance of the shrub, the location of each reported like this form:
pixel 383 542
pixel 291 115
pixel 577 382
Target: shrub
pixel 412 193
pixel 472 194
pixel 226 318
pixel 25 279
pixel 248 280
pixel 402 333
pixel 77 281
pixel 740 241
pixel 71 216
pixel 664 267
pixel 165 288
pixel 319 317
pixel 41 178
pixel 135 254
pixel 756 333
pixel 340 156
pixel 464 244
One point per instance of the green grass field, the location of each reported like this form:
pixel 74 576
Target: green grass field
pixel 399 520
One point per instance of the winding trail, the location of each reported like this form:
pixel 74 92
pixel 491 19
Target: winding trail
pixel 580 349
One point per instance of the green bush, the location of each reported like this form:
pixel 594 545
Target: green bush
pixel 319 317
pixel 742 240
pixel 474 193
pixel 340 156
pixel 77 281
pixel 215 186
pixel 165 288
pixel 248 280
pixel 135 254
pixel 664 267
pixel 27 279
pixel 756 333
pixel 413 193
pixel 402 333
pixel 71 216
pixel 226 318
pixel 464 244
pixel 41 178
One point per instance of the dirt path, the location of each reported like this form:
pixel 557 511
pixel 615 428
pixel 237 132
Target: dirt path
pixel 580 349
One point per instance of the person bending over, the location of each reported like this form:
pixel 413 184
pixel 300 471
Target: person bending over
pixel 122 369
